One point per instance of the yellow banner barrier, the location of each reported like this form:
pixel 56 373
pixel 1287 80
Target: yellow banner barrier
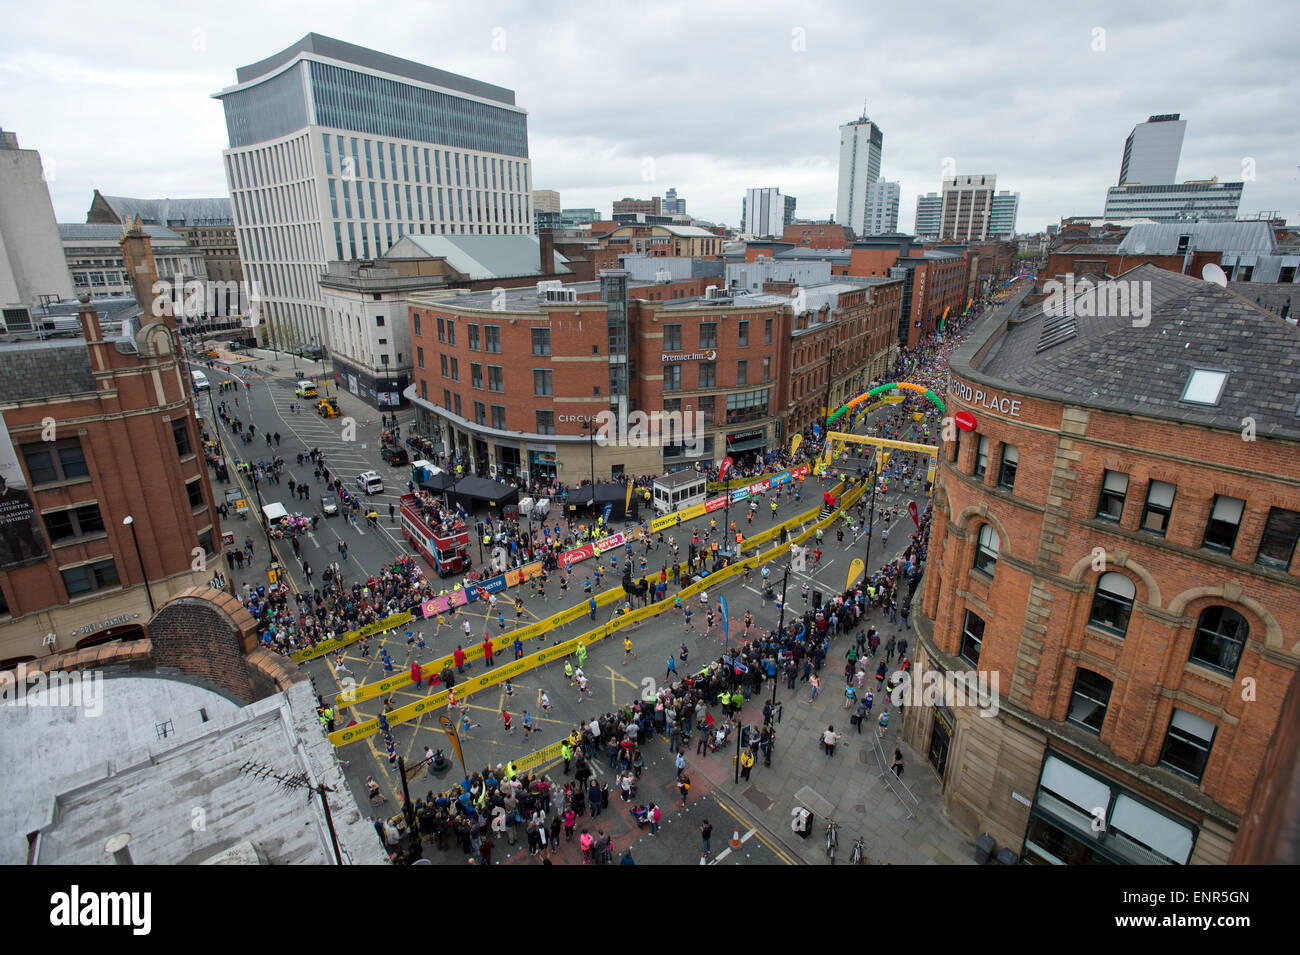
pixel 418 708
pixel 328 646
pixel 540 758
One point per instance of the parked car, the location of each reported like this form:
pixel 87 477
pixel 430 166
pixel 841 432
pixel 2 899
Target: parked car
pixel 370 482
pixel 329 506
pixel 395 456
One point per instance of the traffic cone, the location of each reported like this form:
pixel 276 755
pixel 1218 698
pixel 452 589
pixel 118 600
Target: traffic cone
pixel 735 838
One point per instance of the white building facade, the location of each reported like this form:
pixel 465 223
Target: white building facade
pixel 32 266
pixel 1002 217
pixel 861 142
pixel 882 208
pixel 764 212
pixel 929 215
pixel 1152 151
pixel 337 151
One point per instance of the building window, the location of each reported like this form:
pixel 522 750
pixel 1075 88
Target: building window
pixel 1220 638
pixel 707 407
pixel 1187 744
pixel 496 378
pixel 75 522
pixel 542 382
pixel 986 551
pixel 1225 520
pixel 442 330
pixel 1114 487
pixel 972 638
pixel 415 317
pixel 492 339
pixel 471 330
pixel 708 374
pixel 205 541
pixel 451 331
pixel 742 372
pixel 673 378
pixel 1277 545
pixel 181 435
pixel 1204 387
pixel 444 366
pixel 767 331
pixel 499 417
pixel 456 400
pixel 1089 700
pixel 672 338
pixel 541 341
pixel 546 422
pixel 708 334
pixel 742 331
pixel 480 413
pixel 982 458
pixel 90 577
pixel 194 491
pixel 767 369
pixel 1160 501
pixel 1113 603
pixel 1010 461
pixel 55 461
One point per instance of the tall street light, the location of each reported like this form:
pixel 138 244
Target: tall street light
pixel 830 377
pixel 590 428
pixel 129 521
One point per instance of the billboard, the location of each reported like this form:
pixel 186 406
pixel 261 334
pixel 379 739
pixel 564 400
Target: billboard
pixel 22 541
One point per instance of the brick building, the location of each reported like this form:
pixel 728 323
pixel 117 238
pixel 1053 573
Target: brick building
pixel 1126 567
pixel 678 346
pixel 118 407
pixel 818 235
pixel 669 240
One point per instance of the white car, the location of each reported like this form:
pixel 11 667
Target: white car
pixel 370 482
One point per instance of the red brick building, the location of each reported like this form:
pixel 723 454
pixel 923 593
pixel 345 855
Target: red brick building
pixel 510 382
pixel 104 427
pixel 1126 567
pixel 818 235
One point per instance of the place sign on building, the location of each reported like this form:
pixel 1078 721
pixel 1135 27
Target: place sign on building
pixel 746 435
pixel 988 400
pixel 709 355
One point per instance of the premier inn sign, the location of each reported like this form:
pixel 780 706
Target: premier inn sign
pixel 709 355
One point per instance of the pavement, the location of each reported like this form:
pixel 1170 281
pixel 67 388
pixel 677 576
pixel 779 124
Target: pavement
pixel 897 826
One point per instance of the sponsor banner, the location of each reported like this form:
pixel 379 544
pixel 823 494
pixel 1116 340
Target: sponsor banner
pixel 521 575
pixel 715 504
pixel 540 758
pixel 22 540
pixel 438 605
pixel 609 543
pixel 351 636
pixel 740 495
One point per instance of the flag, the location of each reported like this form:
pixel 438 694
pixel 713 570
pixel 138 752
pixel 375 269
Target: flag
pixel 794 444
pixel 609 509
pixel 855 568
pixel 627 501
pixel 727 465
pixel 722 609
pixel 911 509
pixel 453 737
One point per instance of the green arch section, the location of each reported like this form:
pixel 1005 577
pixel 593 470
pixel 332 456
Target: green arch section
pixel 884 389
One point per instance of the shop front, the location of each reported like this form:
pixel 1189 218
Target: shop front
pixel 940 740
pixel 541 466
pixel 746 446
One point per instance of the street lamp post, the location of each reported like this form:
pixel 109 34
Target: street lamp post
pixel 129 521
pixel 261 515
pixel 871 516
pixel 830 377
pixel 590 428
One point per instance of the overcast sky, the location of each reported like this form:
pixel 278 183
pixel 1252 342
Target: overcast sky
pixel 709 97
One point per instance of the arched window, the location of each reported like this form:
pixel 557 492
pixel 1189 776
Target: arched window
pixel 1220 637
pixel 1113 602
pixel 986 553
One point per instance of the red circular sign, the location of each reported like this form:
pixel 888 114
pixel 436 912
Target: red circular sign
pixel 965 420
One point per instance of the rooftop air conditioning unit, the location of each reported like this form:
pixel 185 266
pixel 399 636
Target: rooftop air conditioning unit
pixel 662 276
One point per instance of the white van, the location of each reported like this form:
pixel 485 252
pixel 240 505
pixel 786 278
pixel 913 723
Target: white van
pixel 370 482
pixel 200 380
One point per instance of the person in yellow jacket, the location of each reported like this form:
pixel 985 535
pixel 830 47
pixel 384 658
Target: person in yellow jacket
pixel 746 763
pixel 566 753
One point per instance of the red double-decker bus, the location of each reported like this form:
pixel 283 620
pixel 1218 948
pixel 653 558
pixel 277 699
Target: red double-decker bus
pixel 446 553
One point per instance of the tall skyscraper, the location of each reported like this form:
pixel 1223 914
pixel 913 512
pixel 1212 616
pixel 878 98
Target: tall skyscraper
pixel 1002 218
pixel 33 269
pixel 672 205
pixel 765 212
pixel 929 215
pixel 337 151
pixel 861 143
pixel 1151 151
pixel 967 204
pixel 882 208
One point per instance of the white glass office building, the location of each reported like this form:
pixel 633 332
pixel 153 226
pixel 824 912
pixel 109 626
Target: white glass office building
pixel 337 151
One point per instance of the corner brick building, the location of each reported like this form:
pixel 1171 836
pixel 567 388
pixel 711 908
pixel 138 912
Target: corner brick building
pixel 1116 541
pixel 104 427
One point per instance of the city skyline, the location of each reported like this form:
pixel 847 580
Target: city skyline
pixel 586 142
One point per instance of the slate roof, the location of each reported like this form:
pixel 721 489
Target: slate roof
pixel 1162 238
pixel 1110 364
pixel 44 370
pixel 162 211
pixel 482 256
pixel 73 231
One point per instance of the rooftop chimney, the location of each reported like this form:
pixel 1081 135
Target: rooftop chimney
pixel 89 319
pixel 137 256
pixel 546 241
